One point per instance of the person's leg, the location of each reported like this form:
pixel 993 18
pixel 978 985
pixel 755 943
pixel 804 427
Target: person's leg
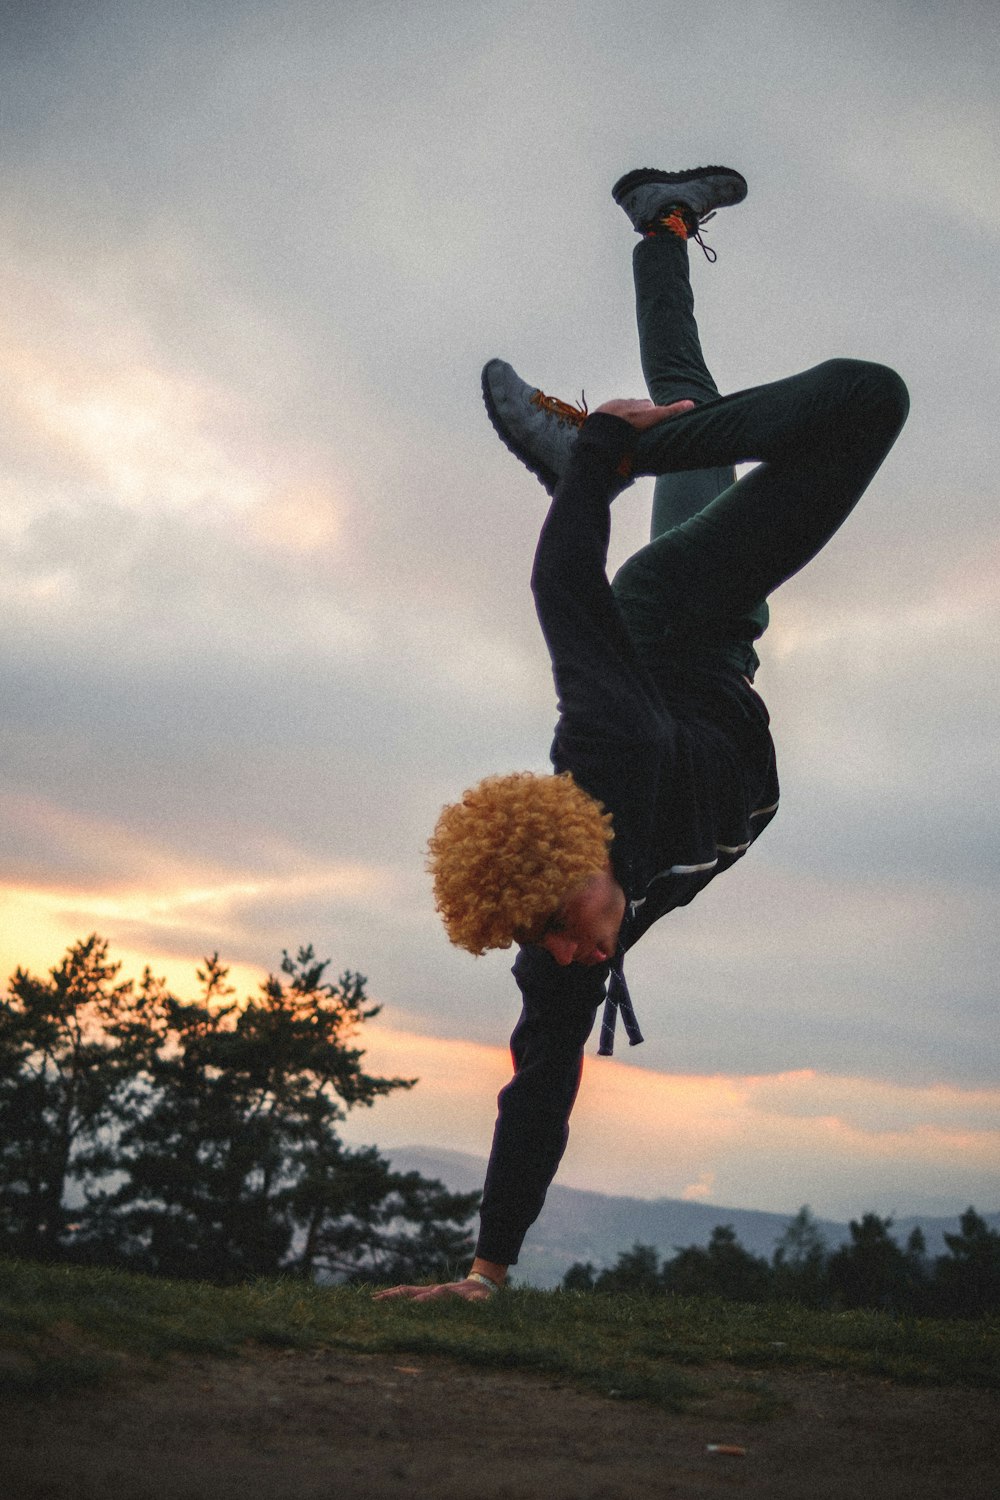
pixel 818 438
pixel 646 595
pixel 674 367
pixel 821 437
pixel 673 363
pixel 678 497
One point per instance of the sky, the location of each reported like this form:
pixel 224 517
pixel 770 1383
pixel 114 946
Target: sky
pixel 263 562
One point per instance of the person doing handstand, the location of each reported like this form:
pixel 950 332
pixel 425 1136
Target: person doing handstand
pixel 664 768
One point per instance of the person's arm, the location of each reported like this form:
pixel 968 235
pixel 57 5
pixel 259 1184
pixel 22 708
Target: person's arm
pixel 612 733
pixel 557 1016
pixel 532 1128
pixel 598 675
pixel 600 682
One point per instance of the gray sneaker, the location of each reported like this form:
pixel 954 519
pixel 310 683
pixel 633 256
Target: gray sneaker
pixel 647 193
pixel 540 430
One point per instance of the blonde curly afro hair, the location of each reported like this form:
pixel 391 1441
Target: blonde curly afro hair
pixel 504 858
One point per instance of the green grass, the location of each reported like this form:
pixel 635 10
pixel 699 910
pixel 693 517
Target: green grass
pixel 61 1328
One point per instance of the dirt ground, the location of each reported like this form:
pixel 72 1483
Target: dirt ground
pixel 335 1426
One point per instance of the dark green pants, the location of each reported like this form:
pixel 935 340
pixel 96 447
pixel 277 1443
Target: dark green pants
pixel 719 547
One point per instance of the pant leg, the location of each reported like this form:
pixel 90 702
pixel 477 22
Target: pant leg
pixel 645 596
pixel 678 497
pixel 674 366
pixel 670 351
pixel 818 437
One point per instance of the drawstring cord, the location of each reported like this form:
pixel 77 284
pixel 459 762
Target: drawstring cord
pixel 618 999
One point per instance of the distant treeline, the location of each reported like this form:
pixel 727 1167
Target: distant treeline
pixel 199 1138
pixel 871 1270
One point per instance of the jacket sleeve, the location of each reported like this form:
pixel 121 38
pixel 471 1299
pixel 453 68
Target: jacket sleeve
pixel 601 683
pixel 613 732
pixel 532 1128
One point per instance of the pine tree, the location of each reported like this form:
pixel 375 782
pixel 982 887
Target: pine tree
pixel 635 1271
pixel 234 1166
pixel 870 1271
pixel 966 1282
pixel 70 1047
pixel 799 1263
pixel 201 1139
pixel 725 1268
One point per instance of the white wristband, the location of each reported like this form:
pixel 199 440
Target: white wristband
pixel 494 1286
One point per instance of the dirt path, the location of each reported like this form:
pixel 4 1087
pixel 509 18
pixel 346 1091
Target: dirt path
pixel 336 1426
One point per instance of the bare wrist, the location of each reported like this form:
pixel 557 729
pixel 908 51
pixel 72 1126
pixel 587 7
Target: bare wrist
pixel 493 1274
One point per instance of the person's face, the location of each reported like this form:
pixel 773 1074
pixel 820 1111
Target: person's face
pixel 585 928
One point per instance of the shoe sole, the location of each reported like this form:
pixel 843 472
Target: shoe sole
pixel 643 175
pixel 547 477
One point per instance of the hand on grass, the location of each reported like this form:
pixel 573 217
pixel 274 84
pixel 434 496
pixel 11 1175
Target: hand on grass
pixel 471 1291
pixel 643 414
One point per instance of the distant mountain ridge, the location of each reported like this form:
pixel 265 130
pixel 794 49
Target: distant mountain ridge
pixel 576 1225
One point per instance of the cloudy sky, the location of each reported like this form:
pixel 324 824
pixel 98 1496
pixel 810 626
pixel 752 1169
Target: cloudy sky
pixel 263 563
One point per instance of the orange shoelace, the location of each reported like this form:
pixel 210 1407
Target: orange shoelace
pixel 677 224
pixel 576 415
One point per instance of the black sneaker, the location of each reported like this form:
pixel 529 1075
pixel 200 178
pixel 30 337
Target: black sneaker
pixel 647 194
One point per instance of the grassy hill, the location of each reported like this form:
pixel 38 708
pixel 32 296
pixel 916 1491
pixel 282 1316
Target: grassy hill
pixel 62 1327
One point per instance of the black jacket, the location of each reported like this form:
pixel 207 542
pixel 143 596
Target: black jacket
pixel 678 751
